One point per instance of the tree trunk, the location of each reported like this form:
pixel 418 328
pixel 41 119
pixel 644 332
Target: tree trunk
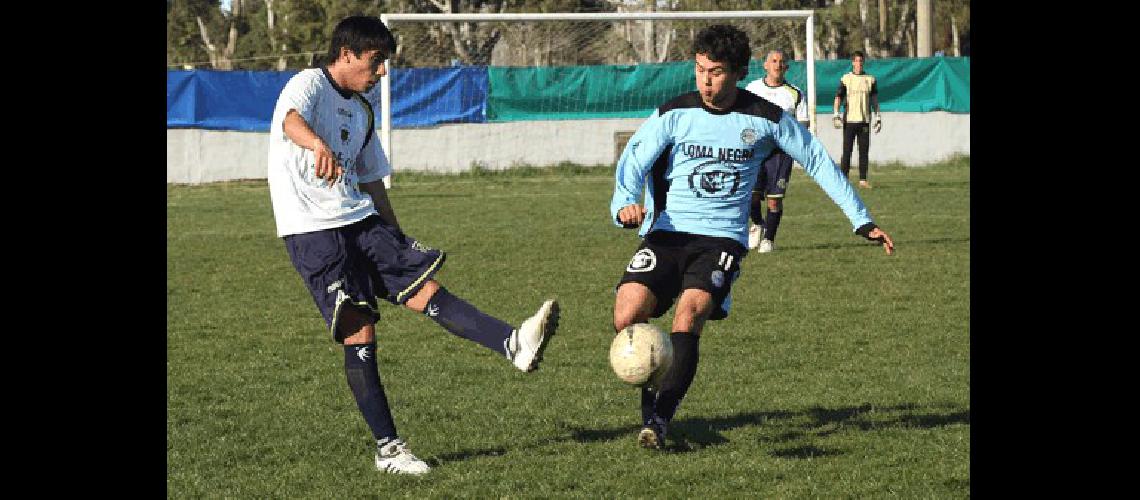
pixel 924 34
pixel 271 23
pixel 911 50
pixel 222 57
pixel 797 50
pixel 863 8
pixel 884 49
pixel 956 47
pixel 231 43
pixel 832 41
pixel 211 49
pixel 901 29
pixel 650 34
pixel 664 53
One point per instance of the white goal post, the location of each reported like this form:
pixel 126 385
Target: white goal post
pixel 393 20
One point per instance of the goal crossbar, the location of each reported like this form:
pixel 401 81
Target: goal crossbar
pixel 388 19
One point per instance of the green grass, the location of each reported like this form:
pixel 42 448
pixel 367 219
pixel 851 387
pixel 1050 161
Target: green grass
pixel 841 372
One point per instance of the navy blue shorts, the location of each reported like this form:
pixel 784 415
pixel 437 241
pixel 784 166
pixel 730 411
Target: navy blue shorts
pixel 775 173
pixel 359 263
pixel 670 262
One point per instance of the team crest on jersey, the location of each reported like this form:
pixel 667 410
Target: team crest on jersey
pixel 748 136
pixel 643 261
pixel 782 183
pixel 714 179
pixel 343 135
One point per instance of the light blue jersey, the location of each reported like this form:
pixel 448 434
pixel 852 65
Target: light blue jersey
pixel 700 166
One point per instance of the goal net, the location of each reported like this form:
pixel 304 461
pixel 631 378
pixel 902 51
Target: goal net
pixel 496 91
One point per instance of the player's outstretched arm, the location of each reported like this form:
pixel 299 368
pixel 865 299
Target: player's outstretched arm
pixel 298 131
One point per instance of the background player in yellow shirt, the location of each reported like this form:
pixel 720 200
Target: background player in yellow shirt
pixel 861 94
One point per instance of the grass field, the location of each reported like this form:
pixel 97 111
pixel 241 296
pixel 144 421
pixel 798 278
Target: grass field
pixel 841 372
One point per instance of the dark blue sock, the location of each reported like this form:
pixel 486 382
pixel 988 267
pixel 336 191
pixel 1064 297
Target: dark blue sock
pixel 648 400
pixel 364 380
pixel 773 223
pixel 686 352
pixel 464 320
pixel 757 212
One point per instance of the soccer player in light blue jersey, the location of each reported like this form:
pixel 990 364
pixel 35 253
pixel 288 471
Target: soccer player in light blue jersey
pixel 697 160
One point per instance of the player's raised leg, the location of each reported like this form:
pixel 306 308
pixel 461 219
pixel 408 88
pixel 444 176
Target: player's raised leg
pixel 523 345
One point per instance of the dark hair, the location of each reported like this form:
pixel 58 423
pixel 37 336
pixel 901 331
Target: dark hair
pixel 724 43
pixel 858 53
pixel 360 33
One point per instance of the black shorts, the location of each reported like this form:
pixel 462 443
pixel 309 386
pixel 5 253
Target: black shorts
pixel 774 175
pixel 359 263
pixel 669 262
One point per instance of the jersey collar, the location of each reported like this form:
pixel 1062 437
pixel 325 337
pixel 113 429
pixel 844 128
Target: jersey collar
pixel 345 93
pixel 743 99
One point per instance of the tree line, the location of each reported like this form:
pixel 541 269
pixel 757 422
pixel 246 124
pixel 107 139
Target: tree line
pixel 293 34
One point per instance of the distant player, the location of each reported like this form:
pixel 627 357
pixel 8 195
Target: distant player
pixel 341 233
pixel 777 170
pixel 702 153
pixel 861 94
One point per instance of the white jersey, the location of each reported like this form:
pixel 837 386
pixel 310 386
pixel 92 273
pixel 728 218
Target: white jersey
pixel 302 202
pixel 787 96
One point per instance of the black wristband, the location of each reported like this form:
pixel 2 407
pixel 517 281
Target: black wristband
pixel 866 229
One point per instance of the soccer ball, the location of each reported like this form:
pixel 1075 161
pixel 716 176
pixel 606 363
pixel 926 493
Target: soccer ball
pixel 641 354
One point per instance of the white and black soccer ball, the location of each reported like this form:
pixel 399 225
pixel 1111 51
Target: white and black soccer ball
pixel 641 354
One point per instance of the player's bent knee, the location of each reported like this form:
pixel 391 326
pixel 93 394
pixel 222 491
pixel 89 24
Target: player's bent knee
pixel 692 310
pixel 634 304
pixel 420 300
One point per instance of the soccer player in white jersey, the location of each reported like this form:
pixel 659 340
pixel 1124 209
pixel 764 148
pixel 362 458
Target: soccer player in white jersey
pixel 777 171
pixel 702 152
pixel 332 211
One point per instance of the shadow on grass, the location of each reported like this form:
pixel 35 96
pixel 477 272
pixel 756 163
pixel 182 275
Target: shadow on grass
pixel 788 427
pixel 692 434
pixel 863 243
pixel 431 195
pixel 464 455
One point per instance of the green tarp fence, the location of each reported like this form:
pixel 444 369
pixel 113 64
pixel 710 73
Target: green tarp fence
pixel 634 91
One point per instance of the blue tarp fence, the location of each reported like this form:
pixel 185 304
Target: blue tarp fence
pixel 244 100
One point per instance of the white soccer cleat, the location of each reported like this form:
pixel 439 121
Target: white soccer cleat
pixel 395 458
pixel 524 347
pixel 766 246
pixel 755 233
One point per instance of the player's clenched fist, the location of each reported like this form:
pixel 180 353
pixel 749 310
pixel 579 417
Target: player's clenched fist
pixel 631 215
